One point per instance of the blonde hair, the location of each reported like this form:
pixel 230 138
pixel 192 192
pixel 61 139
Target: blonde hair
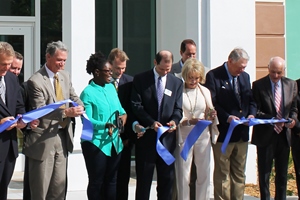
pixel 117 53
pixel 192 65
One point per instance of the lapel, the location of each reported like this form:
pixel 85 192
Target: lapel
pixel 225 81
pixel 153 86
pixel 8 87
pixel 47 83
pixel 267 87
pixel 121 80
pixel 286 98
pixel 167 87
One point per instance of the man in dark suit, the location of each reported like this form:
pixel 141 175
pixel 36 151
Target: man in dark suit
pixel 188 49
pixel 295 141
pixel 156 101
pixel 276 97
pixel 123 82
pixel 231 94
pixel 48 145
pixel 11 104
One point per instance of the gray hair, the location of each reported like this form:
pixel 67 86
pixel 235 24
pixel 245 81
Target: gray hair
pixel 238 53
pixel 6 48
pixel 52 47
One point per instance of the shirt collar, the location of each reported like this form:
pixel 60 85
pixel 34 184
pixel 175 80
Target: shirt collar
pixel 49 72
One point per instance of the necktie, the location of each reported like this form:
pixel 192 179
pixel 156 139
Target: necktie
pixel 160 94
pixel 277 97
pixel 235 85
pixel 2 90
pixel 59 97
pixel 116 84
pixel 58 89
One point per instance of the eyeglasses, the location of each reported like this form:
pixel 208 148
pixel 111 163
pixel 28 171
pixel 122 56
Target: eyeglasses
pixel 106 71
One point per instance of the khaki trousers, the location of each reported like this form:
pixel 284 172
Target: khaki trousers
pixel 47 178
pixel 229 172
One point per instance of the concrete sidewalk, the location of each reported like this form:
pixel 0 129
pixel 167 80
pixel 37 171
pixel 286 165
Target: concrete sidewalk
pixel 15 191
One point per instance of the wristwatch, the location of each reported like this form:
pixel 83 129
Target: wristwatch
pixel 188 123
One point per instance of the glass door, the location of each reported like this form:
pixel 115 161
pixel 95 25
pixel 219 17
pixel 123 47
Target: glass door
pixel 21 38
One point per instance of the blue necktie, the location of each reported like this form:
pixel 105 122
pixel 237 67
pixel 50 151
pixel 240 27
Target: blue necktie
pixel 160 94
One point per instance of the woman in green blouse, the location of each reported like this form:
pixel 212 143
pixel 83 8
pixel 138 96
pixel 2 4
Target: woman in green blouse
pixel 102 154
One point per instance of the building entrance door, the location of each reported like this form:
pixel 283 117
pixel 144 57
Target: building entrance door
pixel 21 38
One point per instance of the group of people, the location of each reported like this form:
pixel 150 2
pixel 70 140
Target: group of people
pixel 127 111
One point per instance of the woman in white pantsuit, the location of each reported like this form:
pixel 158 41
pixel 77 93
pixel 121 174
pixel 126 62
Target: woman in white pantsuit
pixel 197 105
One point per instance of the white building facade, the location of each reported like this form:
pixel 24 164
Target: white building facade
pixel 216 26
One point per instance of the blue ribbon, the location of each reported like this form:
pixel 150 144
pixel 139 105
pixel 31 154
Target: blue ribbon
pixel 254 121
pixel 87 130
pixel 161 150
pixel 251 122
pixel 193 137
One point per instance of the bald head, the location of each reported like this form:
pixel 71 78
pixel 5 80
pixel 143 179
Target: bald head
pixel 276 68
pixel 163 62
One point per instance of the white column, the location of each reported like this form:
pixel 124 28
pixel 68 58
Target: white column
pixel 79 36
pixel 231 24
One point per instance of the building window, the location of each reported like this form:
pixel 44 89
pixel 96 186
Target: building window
pixel 106 25
pixel 17 8
pixel 138 22
pixel 139 33
pixel 51 24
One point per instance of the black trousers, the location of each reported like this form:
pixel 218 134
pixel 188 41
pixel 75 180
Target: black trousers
pixel 6 171
pixel 144 174
pixel 277 150
pixel 102 172
pixel 296 159
pixel 26 188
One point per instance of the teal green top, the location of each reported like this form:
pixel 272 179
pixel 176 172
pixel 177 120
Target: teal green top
pixel 101 104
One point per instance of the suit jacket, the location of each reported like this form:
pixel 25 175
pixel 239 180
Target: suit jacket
pixel 40 92
pixel 124 93
pixel 226 103
pixel 14 105
pixel 262 92
pixel 145 108
pixel 296 129
pixel 176 68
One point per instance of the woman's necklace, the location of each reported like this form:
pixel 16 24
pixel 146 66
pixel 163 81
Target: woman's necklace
pixel 192 110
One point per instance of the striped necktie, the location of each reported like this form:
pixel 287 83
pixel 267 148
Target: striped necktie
pixel 277 98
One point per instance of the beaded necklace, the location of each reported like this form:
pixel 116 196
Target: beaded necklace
pixel 192 110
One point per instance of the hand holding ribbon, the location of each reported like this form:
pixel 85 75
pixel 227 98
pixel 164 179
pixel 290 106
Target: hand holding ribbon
pixel 87 130
pixel 161 150
pixel 193 136
pixel 250 122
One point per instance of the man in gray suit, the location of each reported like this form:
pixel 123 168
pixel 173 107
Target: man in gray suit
pixel 48 145
pixel 188 50
pixel 276 97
